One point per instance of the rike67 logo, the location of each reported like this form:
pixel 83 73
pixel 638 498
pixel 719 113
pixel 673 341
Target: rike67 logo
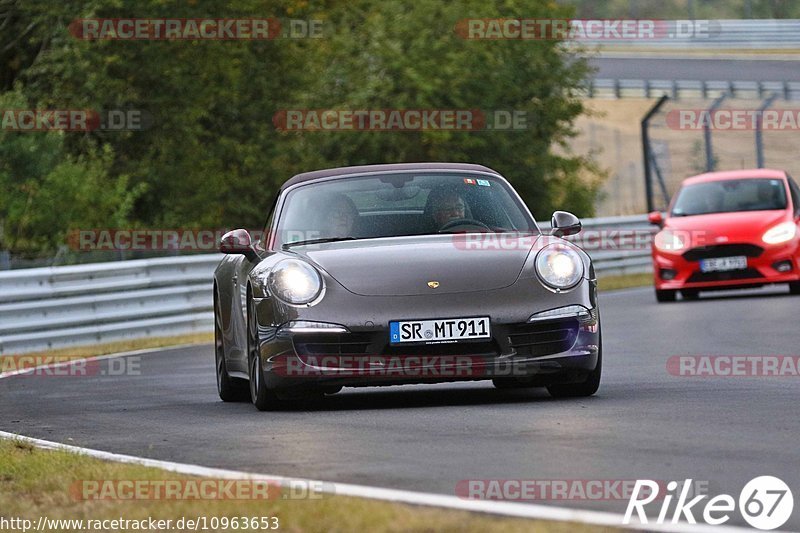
pixel 765 503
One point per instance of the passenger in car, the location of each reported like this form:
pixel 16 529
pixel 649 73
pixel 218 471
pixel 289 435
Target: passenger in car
pixel 339 216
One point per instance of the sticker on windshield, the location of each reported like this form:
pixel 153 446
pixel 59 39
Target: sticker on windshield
pixel 484 183
pixel 469 181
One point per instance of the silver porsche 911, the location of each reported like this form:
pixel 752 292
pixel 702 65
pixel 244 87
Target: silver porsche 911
pixel 407 273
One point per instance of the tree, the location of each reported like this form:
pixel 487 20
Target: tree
pixel 211 155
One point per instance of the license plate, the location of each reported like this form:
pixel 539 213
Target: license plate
pixel 443 330
pixel 721 264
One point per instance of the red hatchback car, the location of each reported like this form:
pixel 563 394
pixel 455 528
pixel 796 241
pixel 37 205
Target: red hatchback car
pixel 727 230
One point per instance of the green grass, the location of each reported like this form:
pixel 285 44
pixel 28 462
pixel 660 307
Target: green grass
pixel 126 346
pixel 36 483
pixel 625 281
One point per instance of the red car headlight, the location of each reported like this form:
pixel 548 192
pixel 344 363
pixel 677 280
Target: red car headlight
pixel 669 241
pixel 785 231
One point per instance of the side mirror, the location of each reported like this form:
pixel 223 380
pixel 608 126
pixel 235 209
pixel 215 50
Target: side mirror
pixel 564 224
pixel 237 242
pixel 656 218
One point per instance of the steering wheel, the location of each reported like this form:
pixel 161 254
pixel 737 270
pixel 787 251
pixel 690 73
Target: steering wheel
pixel 463 222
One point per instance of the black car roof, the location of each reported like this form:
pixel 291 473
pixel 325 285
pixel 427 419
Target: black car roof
pixel 344 171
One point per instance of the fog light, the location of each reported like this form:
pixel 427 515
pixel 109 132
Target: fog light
pixel 667 273
pixel 783 266
pixel 304 326
pixel 569 311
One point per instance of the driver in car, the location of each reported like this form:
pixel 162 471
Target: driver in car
pixel 450 207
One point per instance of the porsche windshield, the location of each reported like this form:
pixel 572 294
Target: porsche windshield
pixel 392 205
pixel 726 196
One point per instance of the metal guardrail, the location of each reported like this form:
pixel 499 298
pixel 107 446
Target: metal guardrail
pixel 676 89
pixel 58 307
pixel 742 34
pixel 617 245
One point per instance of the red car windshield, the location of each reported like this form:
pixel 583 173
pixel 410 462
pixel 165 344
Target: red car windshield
pixel 727 196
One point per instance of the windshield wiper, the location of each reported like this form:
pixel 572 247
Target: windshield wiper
pixel 316 241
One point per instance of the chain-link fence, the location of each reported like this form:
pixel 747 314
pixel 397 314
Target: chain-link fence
pixel 678 145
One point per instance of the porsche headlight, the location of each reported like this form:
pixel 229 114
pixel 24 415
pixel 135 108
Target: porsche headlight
pixel 559 266
pixel 669 241
pixel 295 282
pixel 783 232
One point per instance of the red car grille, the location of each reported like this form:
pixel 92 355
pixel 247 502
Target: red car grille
pixel 722 250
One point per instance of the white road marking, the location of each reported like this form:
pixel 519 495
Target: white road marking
pixel 510 509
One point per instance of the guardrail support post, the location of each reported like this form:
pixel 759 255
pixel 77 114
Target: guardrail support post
pixel 759 123
pixel 647 153
pixel 710 163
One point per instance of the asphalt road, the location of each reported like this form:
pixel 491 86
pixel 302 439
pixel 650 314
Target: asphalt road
pixel 664 68
pixel 643 423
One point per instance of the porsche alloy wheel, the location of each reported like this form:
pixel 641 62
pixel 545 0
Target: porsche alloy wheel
pixel 263 398
pixel 229 389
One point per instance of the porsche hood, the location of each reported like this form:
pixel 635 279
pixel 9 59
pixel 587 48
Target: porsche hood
pixel 407 266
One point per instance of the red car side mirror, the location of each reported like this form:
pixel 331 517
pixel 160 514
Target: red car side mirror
pixel 656 218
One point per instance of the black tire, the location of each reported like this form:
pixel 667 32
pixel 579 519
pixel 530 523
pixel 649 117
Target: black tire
pixel 690 294
pixel 584 388
pixel 263 398
pixel 665 296
pixel 229 389
pixel 794 287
